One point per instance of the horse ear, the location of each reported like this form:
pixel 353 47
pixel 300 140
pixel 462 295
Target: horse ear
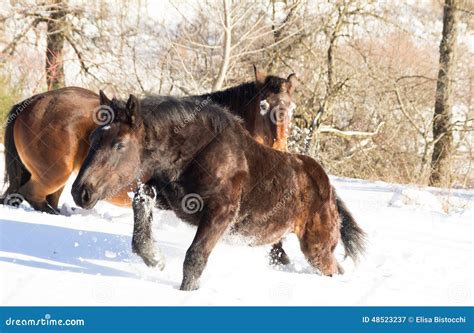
pixel 293 82
pixel 133 110
pixel 104 100
pixel 260 76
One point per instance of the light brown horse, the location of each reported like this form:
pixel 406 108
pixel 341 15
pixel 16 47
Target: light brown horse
pixel 47 135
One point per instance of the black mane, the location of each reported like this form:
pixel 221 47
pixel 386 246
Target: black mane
pixel 178 111
pixel 219 108
pixel 245 94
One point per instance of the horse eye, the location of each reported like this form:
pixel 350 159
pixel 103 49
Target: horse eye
pixel 119 146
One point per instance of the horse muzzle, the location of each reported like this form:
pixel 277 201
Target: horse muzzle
pixel 84 196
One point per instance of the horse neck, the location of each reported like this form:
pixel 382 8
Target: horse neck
pixel 175 149
pixel 242 100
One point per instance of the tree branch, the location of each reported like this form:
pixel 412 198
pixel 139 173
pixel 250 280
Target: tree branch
pixel 349 134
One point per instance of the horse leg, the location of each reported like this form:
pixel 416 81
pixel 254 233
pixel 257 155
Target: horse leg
pixel 319 238
pixel 48 178
pixel 278 256
pixel 142 241
pixel 35 193
pixel 53 199
pixel 211 228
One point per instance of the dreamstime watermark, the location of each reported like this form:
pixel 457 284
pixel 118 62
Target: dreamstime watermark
pixel 281 115
pixel 192 203
pixel 103 115
pixel 192 29
pixel 47 320
pixel 280 205
pixel 459 293
pixel 103 292
pixel 192 115
pixel 281 293
pixel 17 109
pixel 13 200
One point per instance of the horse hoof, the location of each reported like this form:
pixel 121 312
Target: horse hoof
pixel 47 208
pixel 278 257
pixel 150 262
pixel 154 262
pixel 149 258
pixel 340 270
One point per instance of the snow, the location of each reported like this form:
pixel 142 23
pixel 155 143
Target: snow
pixel 416 198
pixel 420 253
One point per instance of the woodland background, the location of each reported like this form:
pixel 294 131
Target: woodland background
pixel 386 89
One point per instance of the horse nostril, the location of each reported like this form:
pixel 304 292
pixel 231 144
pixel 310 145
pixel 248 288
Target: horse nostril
pixel 85 195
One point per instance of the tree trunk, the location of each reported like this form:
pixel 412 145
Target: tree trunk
pixel 442 133
pixel 55 45
pixel 226 49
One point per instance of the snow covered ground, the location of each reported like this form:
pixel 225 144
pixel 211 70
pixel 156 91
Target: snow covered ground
pixel 418 255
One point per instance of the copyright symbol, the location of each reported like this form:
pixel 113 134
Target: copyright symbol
pixel 13 200
pixel 103 115
pixel 192 203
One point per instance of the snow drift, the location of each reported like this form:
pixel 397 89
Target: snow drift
pixel 419 253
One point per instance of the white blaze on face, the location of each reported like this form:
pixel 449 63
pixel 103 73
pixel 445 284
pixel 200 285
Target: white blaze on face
pixel 291 110
pixel 264 107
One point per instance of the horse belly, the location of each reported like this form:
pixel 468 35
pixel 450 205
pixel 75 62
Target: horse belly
pixel 261 229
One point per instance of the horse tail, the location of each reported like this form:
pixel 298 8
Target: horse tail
pixel 16 173
pixel 352 235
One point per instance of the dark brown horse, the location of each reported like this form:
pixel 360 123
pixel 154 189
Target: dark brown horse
pixel 212 174
pixel 265 106
pixel 47 135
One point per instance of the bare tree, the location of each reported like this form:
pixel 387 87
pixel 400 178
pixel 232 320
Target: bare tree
pixel 218 44
pixel 326 104
pixel 368 70
pixel 226 48
pixel 55 36
pixel 66 27
pixel 442 118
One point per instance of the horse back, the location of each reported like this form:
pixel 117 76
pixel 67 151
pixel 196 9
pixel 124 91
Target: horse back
pixel 53 106
pixel 55 126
